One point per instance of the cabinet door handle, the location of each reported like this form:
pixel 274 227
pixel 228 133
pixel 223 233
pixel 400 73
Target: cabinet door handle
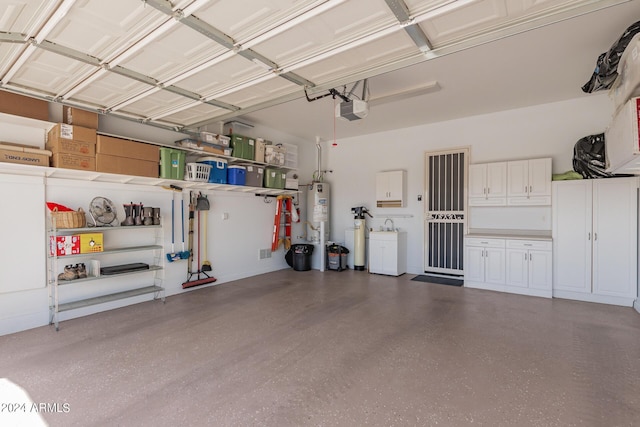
pixel 588 236
pixel 595 236
pixel 530 189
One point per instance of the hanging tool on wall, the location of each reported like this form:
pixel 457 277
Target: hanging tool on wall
pixel 195 204
pixel 173 255
pixel 185 254
pixel 204 205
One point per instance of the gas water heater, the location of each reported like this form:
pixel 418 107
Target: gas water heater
pixel 318 197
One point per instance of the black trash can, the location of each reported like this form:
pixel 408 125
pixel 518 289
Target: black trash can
pixel 299 256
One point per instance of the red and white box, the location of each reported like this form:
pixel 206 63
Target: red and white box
pixel 64 245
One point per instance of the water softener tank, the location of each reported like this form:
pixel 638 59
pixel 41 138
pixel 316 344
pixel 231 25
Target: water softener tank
pixel 318 204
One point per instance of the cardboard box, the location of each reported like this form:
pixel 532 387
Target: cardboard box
pixel 24 155
pixel 19 105
pixel 78 117
pixel 73 147
pixel 126 148
pixel 126 166
pixel 64 245
pixel 91 242
pixel 63 131
pixel 73 161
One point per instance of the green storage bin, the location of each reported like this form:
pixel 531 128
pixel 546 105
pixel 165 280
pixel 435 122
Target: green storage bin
pixel 243 147
pixel 274 178
pixel 172 163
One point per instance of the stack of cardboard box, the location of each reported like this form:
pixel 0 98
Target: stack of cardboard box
pixel 123 156
pixel 73 142
pixel 12 151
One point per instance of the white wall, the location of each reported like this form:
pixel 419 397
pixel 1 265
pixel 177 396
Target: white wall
pixel 540 131
pixel 549 130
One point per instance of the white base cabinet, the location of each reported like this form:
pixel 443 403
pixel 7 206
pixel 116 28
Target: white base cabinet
pixel 529 266
pixel 484 263
pixel 509 265
pixel 595 236
pixel 388 252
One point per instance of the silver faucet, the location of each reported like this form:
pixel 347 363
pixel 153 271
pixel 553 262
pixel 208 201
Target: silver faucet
pixel 392 225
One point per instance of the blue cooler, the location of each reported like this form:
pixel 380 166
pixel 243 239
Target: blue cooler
pixel 218 172
pixel 236 175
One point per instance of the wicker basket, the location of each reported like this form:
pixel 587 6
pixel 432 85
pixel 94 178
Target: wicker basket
pixel 69 219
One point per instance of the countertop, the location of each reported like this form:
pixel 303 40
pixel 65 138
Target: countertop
pixel 510 234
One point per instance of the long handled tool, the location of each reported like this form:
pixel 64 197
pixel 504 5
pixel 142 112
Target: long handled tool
pixel 173 255
pixel 199 273
pixel 203 205
pixel 185 254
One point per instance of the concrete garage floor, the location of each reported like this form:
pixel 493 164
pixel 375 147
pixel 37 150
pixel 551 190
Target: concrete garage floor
pixel 337 348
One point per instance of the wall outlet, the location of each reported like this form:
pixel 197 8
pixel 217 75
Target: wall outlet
pixel 265 253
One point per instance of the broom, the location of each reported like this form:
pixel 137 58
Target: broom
pixel 198 281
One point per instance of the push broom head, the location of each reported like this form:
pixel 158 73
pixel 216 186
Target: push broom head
pixel 199 282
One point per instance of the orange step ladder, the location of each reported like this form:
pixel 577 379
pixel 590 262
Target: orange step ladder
pixel 283 207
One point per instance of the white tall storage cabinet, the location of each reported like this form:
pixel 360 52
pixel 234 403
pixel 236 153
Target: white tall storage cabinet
pixel 595 237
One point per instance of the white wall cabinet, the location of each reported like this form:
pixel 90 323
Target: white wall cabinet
pixel 388 252
pixel 488 184
pixel 595 234
pixel 529 265
pixel 529 182
pixel 390 189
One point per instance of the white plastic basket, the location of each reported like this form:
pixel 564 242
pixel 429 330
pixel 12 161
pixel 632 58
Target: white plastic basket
pixel 197 172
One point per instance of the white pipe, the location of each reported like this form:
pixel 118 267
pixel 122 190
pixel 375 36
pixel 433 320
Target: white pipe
pixel 319 159
pixel 322 247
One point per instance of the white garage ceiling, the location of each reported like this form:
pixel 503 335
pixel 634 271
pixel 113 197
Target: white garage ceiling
pixel 186 64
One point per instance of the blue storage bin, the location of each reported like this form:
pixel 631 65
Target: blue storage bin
pixel 236 175
pixel 218 173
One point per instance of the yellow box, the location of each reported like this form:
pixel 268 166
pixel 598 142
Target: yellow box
pixel 91 242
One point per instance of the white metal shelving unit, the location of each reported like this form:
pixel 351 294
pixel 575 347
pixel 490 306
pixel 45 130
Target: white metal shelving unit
pixel 80 175
pixel 155 286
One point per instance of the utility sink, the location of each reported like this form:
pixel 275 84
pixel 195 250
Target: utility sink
pixel 388 252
